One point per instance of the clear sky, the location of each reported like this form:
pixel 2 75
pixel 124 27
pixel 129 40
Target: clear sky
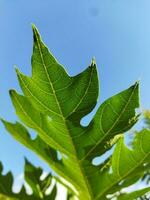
pixel 116 33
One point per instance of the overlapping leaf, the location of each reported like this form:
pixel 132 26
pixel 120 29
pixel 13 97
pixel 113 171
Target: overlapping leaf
pixel 53 105
pixel 128 165
pixel 32 177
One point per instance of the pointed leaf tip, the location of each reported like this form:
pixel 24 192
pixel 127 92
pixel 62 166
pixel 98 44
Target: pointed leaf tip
pixel 137 83
pixel 26 160
pixel 2 120
pixel 93 62
pixel 36 33
pixel 33 25
pixel 34 28
pixel 17 70
pixel 12 92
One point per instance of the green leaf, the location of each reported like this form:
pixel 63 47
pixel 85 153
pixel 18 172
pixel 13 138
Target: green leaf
pixel 135 194
pixel 53 104
pixel 126 164
pixel 48 154
pixel 116 115
pixel 6 184
pixel 38 186
pixel 53 91
pixel 32 177
pixel 3 197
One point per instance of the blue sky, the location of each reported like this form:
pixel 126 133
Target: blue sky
pixel 116 33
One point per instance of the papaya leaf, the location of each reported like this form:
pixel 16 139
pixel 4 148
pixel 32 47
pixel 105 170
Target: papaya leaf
pixel 146 118
pixel 32 176
pixel 128 165
pixel 6 182
pixel 53 104
pixel 37 185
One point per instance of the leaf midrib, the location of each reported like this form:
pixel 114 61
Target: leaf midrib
pixel 47 108
pixel 87 185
